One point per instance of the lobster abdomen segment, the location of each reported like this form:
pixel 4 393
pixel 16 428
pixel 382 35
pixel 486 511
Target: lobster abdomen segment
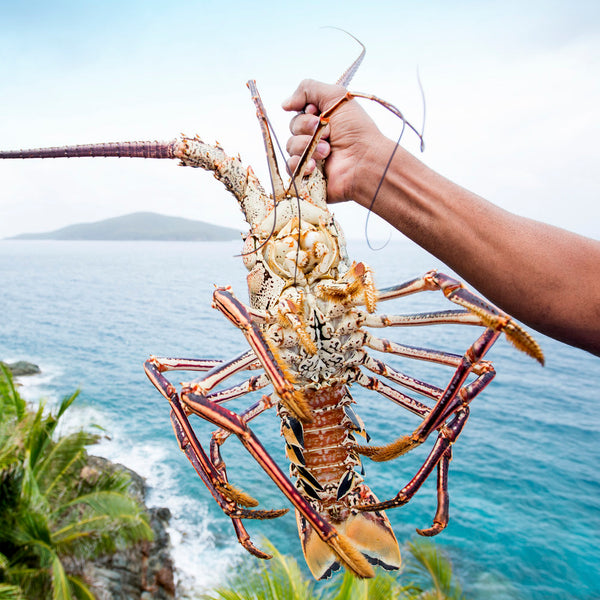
pixel 323 459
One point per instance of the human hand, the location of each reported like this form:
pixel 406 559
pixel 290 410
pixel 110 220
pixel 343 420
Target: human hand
pixel 348 138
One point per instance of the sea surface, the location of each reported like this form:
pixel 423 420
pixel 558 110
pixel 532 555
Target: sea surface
pixel 524 482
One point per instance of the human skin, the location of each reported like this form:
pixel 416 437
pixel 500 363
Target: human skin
pixel 544 276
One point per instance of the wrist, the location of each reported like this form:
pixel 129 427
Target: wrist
pixel 370 168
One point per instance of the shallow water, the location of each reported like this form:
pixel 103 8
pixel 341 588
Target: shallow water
pixel 524 484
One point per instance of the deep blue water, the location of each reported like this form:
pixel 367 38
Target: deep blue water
pixel 524 482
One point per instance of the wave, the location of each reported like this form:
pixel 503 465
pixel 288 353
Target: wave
pixel 193 542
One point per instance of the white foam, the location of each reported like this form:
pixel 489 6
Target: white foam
pixel 200 565
pixel 35 387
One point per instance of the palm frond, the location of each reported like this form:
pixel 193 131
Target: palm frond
pixel 37 434
pixel 10 400
pixel 65 403
pixel 10 444
pixel 33 581
pixel 10 592
pixel 101 522
pixel 280 578
pixel 98 534
pixel 61 589
pixel 432 571
pixel 57 466
pixel 384 586
pixel 108 502
pixel 50 508
pixel 80 589
pixel 32 530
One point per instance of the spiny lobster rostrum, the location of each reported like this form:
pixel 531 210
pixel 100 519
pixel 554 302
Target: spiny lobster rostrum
pixel 306 326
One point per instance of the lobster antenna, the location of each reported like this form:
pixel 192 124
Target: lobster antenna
pixel 349 73
pixel 276 185
pixel 295 191
pixel 399 114
pixel 424 108
pixel 381 180
pixel 272 129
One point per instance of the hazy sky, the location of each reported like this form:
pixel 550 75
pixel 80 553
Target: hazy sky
pixel 512 88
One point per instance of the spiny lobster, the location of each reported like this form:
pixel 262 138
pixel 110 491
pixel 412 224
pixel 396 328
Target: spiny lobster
pixel 306 326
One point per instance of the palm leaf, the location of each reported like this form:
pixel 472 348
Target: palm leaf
pixel 280 578
pixel 48 509
pixel 10 592
pixel 57 466
pixel 61 590
pixel 65 403
pixel 433 572
pixel 32 531
pixel 79 589
pixel 10 400
pixel 37 435
pixel 107 502
pixel 101 522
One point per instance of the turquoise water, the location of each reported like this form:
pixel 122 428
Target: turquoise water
pixel 524 483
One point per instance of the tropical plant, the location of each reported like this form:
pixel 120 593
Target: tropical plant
pixel 431 574
pixel 55 510
pixel 428 572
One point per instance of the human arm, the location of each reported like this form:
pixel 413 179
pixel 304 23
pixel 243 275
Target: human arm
pixel 546 277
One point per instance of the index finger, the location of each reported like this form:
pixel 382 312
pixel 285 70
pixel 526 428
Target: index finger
pixel 321 95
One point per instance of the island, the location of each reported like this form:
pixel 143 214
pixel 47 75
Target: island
pixel 139 226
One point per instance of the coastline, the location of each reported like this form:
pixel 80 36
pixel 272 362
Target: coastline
pixel 145 571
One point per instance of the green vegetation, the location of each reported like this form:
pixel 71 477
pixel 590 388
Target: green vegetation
pixel 427 575
pixel 55 510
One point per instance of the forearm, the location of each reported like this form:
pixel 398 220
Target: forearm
pixel 544 276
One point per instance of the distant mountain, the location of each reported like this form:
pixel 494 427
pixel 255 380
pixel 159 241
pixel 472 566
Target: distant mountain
pixel 139 226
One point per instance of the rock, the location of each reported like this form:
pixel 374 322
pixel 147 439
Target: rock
pixel 22 368
pixel 145 571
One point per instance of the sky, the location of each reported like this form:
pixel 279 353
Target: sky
pixel 512 99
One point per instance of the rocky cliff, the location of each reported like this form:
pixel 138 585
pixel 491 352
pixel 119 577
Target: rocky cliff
pixel 144 572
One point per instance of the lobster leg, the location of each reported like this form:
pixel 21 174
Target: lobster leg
pixel 219 436
pixel 427 354
pixel 198 459
pixel 440 453
pixel 452 398
pixel 221 371
pixel 446 317
pixel 291 399
pixel 440 520
pixel 490 315
pixel 380 368
pixel 239 315
pixel 455 398
pixel 184 364
pixel 231 422
pixel 215 479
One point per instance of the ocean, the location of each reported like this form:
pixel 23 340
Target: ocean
pixel 524 482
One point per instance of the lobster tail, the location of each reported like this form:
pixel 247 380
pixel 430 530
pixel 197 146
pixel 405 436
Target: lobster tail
pixel 364 539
